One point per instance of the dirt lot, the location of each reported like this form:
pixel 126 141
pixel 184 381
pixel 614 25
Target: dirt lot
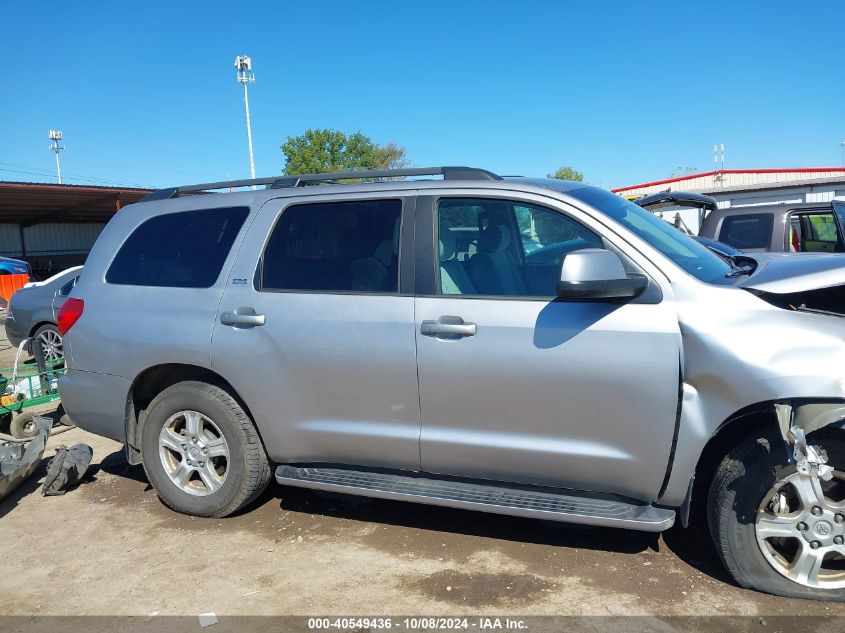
pixel 110 547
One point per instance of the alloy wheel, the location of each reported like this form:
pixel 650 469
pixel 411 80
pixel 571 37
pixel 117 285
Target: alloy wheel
pixel 194 453
pixel 51 344
pixel 800 529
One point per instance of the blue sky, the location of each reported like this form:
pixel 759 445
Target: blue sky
pixel 145 92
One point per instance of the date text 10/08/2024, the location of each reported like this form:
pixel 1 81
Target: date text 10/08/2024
pixel 418 623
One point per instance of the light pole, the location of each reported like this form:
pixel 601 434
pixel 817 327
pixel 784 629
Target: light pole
pixel 842 145
pixel 55 138
pixel 245 77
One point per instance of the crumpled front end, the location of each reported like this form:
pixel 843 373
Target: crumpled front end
pixel 828 301
pixel 740 351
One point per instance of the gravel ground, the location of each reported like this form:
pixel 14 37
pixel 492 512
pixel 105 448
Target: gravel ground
pixel 111 548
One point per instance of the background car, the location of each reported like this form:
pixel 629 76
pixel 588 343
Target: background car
pixel 798 228
pixel 9 266
pixel 33 310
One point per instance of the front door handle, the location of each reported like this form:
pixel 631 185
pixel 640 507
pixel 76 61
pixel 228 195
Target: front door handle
pixel 448 327
pixel 242 317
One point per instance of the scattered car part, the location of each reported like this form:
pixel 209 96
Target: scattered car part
pixel 18 460
pixel 67 469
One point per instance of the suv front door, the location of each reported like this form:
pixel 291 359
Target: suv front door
pixel 518 386
pixel 316 336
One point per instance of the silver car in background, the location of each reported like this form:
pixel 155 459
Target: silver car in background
pixel 33 311
pixel 532 347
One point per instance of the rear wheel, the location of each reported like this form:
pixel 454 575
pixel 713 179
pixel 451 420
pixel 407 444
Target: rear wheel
pixel 51 341
pixel 201 451
pixel 775 529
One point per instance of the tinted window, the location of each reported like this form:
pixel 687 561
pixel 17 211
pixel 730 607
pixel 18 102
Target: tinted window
pixel 65 290
pixel 747 231
pixel 335 247
pixel 181 250
pixel 502 248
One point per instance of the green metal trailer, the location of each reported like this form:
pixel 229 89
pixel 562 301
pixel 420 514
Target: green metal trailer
pixel 24 386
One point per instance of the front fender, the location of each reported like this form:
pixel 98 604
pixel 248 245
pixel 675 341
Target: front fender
pixel 741 352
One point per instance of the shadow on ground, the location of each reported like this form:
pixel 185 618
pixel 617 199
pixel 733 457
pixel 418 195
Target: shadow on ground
pixel 692 546
pixel 116 464
pixel 465 522
pixel 26 487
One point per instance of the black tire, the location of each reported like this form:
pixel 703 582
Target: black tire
pixel 62 416
pixel 247 469
pixel 745 476
pixel 22 426
pixel 54 332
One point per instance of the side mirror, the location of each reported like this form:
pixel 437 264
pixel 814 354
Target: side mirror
pixel 595 273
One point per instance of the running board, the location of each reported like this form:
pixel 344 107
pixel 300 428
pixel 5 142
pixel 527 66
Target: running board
pixel 567 506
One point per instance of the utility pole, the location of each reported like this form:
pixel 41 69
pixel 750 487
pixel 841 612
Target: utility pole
pixel 719 176
pixel 55 138
pixel 842 145
pixel 245 77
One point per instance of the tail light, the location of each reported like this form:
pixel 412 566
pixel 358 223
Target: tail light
pixel 69 314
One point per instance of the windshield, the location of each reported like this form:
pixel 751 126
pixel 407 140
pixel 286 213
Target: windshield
pixel 693 257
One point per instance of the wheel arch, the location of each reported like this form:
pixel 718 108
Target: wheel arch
pixel 760 418
pixel 41 323
pixel 151 382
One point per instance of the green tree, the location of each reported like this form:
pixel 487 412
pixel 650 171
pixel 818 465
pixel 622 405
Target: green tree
pixel 567 173
pixel 320 151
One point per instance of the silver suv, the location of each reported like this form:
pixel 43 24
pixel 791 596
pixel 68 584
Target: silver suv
pixel 531 347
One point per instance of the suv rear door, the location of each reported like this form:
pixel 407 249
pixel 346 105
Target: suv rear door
pixel 315 330
pixel 815 231
pixel 518 386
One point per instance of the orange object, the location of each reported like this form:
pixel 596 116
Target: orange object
pixel 8 399
pixel 10 284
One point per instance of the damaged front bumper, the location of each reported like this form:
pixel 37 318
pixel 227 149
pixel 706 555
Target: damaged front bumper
pixel 796 422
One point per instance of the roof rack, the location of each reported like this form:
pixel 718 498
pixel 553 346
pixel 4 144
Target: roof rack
pixel 284 182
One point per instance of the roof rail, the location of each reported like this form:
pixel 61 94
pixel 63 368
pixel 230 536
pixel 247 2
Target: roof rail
pixel 283 182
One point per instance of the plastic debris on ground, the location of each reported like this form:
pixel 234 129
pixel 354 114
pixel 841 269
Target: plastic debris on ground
pixel 67 469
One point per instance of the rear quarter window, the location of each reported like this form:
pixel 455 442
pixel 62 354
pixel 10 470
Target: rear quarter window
pixel 747 231
pixel 179 250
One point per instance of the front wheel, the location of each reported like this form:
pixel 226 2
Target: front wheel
pixel 776 530
pixel 201 451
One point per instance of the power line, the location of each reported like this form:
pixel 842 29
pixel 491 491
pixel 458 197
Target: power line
pixel 37 171
pixel 74 175
pixel 87 180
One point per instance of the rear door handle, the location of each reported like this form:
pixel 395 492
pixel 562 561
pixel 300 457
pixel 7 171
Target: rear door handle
pixel 242 317
pixel 448 327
